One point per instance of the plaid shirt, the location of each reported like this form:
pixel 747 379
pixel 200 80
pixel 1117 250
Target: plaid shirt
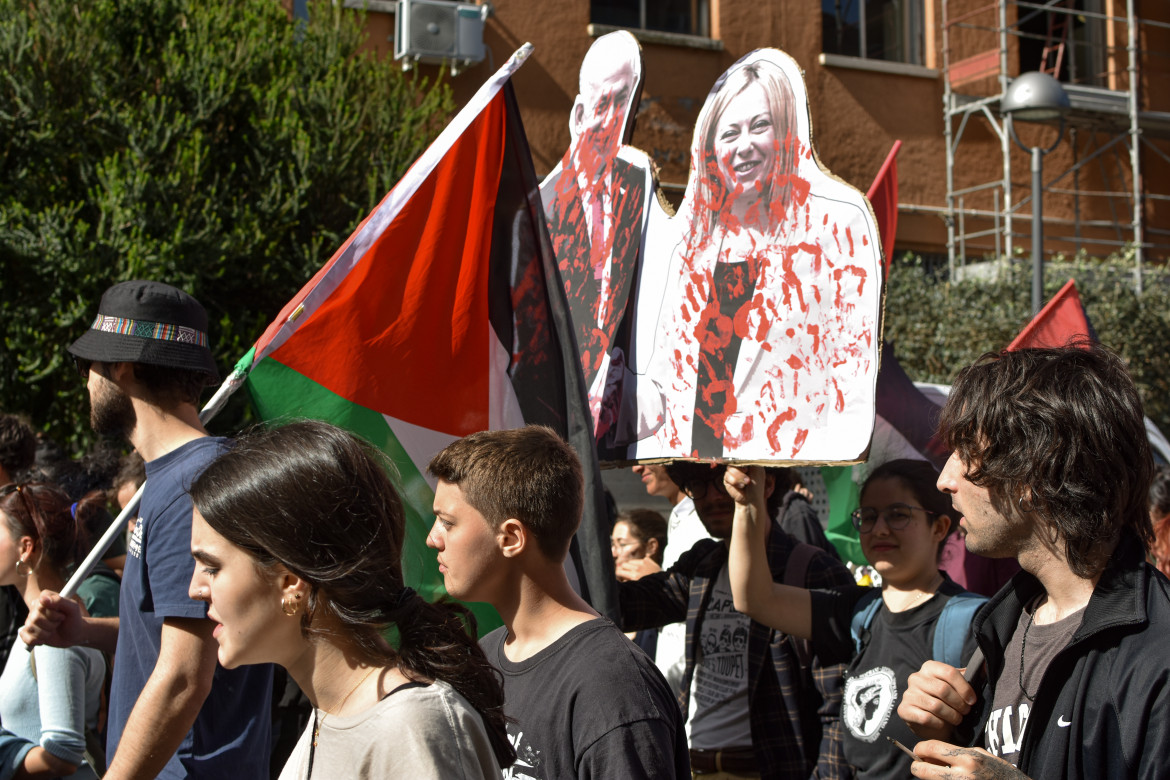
pixel 795 712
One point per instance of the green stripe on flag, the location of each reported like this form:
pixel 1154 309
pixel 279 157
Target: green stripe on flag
pixel 844 496
pixel 281 394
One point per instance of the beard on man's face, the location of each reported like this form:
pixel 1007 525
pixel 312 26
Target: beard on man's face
pixel 110 411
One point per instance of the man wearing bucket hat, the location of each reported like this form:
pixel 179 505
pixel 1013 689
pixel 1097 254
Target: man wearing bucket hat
pixel 174 712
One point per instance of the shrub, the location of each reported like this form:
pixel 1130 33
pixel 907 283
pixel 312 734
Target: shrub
pixel 938 326
pixel 220 147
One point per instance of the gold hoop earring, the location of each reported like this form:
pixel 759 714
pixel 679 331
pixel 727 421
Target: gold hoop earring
pixel 290 607
pixel 27 569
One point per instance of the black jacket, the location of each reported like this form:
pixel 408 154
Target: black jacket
pixel 1103 706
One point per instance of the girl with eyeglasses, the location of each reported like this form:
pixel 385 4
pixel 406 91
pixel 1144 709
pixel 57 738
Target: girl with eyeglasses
pixel 884 634
pixel 52 698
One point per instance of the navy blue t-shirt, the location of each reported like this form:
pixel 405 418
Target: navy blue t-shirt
pixel 231 736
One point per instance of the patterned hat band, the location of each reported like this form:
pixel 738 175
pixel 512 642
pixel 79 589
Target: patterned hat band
pixel 160 331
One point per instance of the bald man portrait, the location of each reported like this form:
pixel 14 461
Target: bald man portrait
pixel 594 204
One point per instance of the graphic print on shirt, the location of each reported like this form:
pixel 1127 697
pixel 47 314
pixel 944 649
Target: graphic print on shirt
pixel 134 548
pixel 722 661
pixel 1005 731
pixel 870 698
pixel 528 761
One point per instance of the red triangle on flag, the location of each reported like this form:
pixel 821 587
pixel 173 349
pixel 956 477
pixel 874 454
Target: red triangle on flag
pixel 1059 322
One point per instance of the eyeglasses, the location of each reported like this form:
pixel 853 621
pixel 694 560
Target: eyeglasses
pixel 698 489
pixel 82 366
pixel 897 516
pixel 617 548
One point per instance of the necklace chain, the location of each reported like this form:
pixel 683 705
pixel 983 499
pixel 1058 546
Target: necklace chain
pixel 1023 644
pixel 930 591
pixel 340 707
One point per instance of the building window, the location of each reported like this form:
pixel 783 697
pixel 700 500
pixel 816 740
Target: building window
pixel 889 30
pixel 688 17
pixel 1070 42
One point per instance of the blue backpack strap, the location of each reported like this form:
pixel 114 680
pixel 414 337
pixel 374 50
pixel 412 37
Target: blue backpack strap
pixel 863 612
pixel 953 627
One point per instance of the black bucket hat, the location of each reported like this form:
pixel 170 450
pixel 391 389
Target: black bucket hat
pixel 151 323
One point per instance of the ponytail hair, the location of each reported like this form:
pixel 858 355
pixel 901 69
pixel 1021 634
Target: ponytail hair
pixel 318 501
pixel 42 511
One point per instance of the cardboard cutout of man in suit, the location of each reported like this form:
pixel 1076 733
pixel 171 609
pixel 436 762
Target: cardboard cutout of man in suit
pixel 595 205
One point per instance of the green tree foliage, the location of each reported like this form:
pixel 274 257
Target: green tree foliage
pixel 938 326
pixel 220 147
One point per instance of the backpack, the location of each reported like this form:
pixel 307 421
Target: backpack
pixel 950 632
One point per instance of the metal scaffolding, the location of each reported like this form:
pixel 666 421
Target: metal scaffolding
pixel 1096 57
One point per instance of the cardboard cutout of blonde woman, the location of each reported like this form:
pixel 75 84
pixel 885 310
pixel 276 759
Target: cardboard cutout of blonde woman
pixel 595 203
pixel 758 310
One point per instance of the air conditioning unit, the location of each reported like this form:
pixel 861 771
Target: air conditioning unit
pixel 435 31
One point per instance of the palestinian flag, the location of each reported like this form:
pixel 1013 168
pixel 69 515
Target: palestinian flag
pixel 442 315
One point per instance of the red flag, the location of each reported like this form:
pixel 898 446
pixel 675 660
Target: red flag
pixel 883 197
pixel 1062 319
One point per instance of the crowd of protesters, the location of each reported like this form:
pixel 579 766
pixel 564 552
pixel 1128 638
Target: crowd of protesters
pixel 278 556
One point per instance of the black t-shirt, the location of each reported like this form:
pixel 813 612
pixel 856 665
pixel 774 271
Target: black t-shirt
pixel 898 645
pixel 591 704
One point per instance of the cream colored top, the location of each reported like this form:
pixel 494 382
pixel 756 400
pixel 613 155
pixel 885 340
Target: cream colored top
pixel 429 732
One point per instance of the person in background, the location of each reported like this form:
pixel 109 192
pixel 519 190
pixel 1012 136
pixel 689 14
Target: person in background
pixel 1160 517
pixel 796 514
pixel 79 478
pixel 297 540
pixel 131 474
pixel 18 447
pixel 99 592
pixel 756 704
pixel 685 529
pixel 53 699
pixel 18 451
pixel 638 534
pixel 883 634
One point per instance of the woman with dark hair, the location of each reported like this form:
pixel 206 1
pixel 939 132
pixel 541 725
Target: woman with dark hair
pixel 53 698
pixel 297 539
pixel 1160 518
pixel 884 634
pixel 637 534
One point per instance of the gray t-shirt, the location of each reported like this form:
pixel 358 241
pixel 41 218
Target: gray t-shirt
pixel 418 732
pixel 719 716
pixel 1032 648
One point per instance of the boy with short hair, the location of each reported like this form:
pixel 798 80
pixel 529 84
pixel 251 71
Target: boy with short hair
pixel 581 698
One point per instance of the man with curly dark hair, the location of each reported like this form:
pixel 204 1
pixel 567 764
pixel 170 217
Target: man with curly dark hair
pixel 1051 466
